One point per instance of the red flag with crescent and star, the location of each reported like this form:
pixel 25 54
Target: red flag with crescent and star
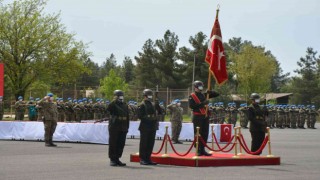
pixel 225 132
pixel 215 56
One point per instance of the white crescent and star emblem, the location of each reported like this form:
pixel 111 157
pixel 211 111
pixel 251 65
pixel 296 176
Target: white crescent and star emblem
pixel 226 130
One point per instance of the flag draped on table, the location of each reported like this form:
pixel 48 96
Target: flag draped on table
pixel 215 56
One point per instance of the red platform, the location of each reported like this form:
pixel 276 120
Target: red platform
pixel 217 159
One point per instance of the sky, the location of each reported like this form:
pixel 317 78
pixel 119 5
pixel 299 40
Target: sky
pixel 121 27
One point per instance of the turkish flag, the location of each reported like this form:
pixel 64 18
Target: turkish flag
pixel 225 132
pixel 215 56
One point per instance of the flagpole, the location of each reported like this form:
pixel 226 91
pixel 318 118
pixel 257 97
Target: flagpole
pixel 209 71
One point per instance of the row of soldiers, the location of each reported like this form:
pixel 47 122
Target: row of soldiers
pixel 73 110
pixel 277 116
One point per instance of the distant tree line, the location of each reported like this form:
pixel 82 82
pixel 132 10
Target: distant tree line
pixel 39 55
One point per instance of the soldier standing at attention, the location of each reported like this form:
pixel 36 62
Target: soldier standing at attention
pixel 69 110
pixel 118 127
pixel 176 119
pixel 147 113
pixel 258 124
pixel 20 107
pixel 200 118
pixel 50 118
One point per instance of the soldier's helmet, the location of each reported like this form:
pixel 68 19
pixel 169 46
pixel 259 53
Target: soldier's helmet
pixel 147 92
pixel 254 96
pixel 37 99
pixel 197 84
pixel 50 94
pixel 118 93
pixel 31 98
pixel 20 97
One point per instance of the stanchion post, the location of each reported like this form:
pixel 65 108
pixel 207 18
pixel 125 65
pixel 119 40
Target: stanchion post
pixel 269 143
pixel 166 144
pixel 235 143
pixel 212 139
pixel 197 144
pixel 239 132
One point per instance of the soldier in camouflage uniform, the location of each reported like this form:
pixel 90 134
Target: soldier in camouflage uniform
pixel 176 119
pixel 32 112
pixel 1 108
pixel 69 112
pixel 118 127
pixel 221 113
pixel 79 110
pixel 280 117
pixel 163 112
pixel 97 110
pixel 313 117
pixel 89 107
pixel 61 110
pixel 232 113
pixel 50 117
pixel 293 116
pixel 20 108
pixel 287 116
pixel 39 110
pixel 302 117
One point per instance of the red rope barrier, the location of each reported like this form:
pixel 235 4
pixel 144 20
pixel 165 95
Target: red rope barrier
pixel 221 149
pixel 174 150
pixel 265 141
pixel 205 144
pixel 164 139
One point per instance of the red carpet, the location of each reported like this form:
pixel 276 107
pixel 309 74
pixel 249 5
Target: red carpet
pixel 217 159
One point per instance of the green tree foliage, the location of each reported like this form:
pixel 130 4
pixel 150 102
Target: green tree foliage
pixel 127 69
pixel 110 63
pixel 165 60
pixel 112 82
pixel 145 68
pixel 253 68
pixel 306 86
pixel 36 47
pixel 194 58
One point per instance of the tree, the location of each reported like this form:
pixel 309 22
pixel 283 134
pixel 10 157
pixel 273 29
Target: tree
pixel 189 56
pixel 128 69
pixel 111 83
pixel 145 68
pixel 307 86
pixel 253 68
pixel 110 63
pixel 166 60
pixel 35 47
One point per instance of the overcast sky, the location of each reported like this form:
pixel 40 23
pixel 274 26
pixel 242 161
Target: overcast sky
pixel 286 27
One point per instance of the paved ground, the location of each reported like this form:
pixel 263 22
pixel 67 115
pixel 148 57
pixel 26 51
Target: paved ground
pixel 299 150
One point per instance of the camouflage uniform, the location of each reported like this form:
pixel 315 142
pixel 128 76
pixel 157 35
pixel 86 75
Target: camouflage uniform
pixel 302 117
pixel 280 117
pixel 50 113
pixel 61 110
pixel 313 117
pixel 176 120
pixel 69 112
pixel 20 107
pixel 293 117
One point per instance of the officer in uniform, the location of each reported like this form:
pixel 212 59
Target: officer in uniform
pixel 20 107
pixel 176 119
pixel 118 127
pixel 313 117
pixel 50 118
pixel 147 113
pixel 258 124
pixel 200 118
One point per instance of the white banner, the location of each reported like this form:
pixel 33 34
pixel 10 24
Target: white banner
pixel 87 132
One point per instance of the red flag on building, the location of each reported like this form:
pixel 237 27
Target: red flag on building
pixel 215 56
pixel 225 132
